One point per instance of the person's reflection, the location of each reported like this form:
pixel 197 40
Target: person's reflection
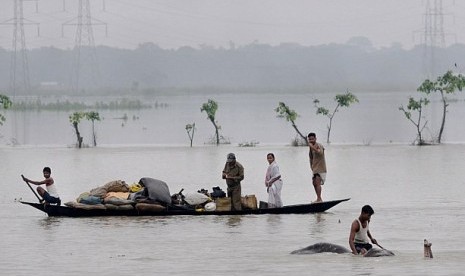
pixel 234 221
pixel 319 224
pixel 319 217
pixel 49 223
pixel 274 224
pixel 274 220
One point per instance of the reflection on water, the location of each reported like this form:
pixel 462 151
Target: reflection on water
pixel 234 221
pixel 252 112
pixel 318 224
pixel 406 211
pixel 49 223
pixel 273 220
pixel 319 217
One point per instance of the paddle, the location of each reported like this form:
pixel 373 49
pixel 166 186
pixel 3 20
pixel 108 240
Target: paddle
pixel 380 246
pixel 40 200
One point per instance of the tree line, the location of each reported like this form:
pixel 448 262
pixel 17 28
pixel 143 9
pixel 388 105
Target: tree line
pixel 149 68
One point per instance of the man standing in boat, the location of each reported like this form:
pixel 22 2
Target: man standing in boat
pixel 51 195
pixel 233 172
pixel 316 154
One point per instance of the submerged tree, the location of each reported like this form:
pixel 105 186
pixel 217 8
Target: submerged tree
pixel 210 108
pixel 5 103
pixel 446 84
pixel 414 105
pixel 290 115
pixel 93 116
pixel 342 100
pixel 190 128
pixel 75 119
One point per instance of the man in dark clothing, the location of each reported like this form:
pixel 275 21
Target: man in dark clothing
pixel 233 172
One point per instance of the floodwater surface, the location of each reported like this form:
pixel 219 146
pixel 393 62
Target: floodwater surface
pixel 416 192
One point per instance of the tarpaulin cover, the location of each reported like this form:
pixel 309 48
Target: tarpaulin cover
pixel 157 190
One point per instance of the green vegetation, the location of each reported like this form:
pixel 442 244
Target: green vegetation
pixel 5 103
pixel 210 108
pixel 252 143
pixel 290 115
pixel 417 106
pixel 342 100
pixel 75 119
pixel 124 104
pixel 222 140
pixel 190 128
pixel 449 83
pixel 93 116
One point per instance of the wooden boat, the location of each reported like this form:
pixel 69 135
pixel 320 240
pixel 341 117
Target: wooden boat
pixel 174 210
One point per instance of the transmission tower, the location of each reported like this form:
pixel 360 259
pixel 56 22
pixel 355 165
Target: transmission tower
pixel 433 36
pixel 84 52
pixel 19 67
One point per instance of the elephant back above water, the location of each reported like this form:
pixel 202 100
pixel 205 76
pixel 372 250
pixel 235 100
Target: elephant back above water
pixel 325 247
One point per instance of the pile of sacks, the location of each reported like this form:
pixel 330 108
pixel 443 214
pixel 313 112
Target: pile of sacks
pixel 153 196
pixel 112 195
pixel 148 195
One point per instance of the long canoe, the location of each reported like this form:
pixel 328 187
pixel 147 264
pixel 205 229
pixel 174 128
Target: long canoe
pixel 64 211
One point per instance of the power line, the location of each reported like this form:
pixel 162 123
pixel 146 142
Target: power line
pixel 434 36
pixel 85 56
pixel 19 67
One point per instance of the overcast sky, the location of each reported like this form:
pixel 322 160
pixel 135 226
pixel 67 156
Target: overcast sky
pixel 177 23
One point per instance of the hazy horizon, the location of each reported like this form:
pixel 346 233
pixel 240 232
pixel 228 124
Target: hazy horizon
pixel 228 23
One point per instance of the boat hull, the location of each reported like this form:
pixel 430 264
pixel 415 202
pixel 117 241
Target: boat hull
pixel 64 211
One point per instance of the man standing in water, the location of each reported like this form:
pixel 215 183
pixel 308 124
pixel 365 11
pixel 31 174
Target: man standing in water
pixel 360 236
pixel 233 172
pixel 316 154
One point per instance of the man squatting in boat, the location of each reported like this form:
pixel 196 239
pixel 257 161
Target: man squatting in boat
pixel 50 195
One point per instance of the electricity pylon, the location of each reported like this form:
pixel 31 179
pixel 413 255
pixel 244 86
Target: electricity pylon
pixel 84 52
pixel 433 35
pixel 19 67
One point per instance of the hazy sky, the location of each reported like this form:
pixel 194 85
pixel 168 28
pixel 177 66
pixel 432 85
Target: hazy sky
pixel 176 23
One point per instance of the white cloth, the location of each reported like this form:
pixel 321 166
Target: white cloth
pixel 274 189
pixel 362 235
pixel 195 198
pixel 323 178
pixel 52 190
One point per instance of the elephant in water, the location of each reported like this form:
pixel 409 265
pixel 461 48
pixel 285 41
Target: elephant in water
pixel 323 247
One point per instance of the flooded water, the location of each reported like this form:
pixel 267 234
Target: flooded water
pixel 416 192
pixel 376 119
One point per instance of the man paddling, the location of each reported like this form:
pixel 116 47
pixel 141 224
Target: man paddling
pixel 50 195
pixel 360 236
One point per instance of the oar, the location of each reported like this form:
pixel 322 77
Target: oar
pixel 40 200
pixel 380 246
